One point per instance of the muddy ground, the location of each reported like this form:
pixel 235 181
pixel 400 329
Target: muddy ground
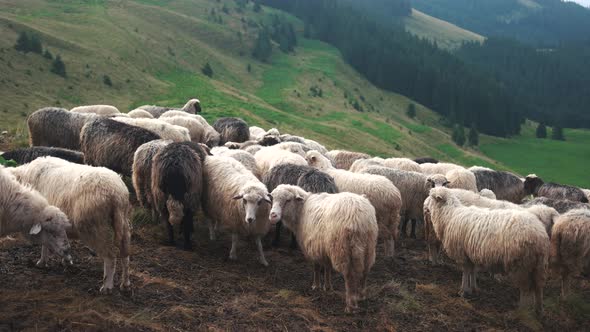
pixel 174 290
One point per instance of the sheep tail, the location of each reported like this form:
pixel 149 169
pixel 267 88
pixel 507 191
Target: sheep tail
pixel 175 211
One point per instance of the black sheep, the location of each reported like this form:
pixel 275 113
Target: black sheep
pixel 26 155
pixel 425 160
pixel 232 130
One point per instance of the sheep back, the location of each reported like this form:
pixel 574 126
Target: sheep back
pixel 26 155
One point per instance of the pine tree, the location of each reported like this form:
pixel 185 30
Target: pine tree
pixel 36 46
pixel 307 30
pixel 263 46
pixel 207 70
pixel 58 67
pixel 47 54
pixel 257 7
pixel 411 111
pixel 458 135
pixel 473 136
pixel 557 133
pixel 107 80
pixel 23 43
pixel 541 130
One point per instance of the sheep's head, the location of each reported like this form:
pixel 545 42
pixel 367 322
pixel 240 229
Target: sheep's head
pixel 51 232
pixel 212 138
pixel 487 193
pixel 442 195
pixel 252 198
pixel 192 106
pixel 532 183
pixel 283 198
pixel 317 160
pixel 436 180
pixel 269 140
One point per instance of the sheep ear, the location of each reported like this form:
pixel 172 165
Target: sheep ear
pixel 439 197
pixel 299 198
pixel 36 229
pixel 238 197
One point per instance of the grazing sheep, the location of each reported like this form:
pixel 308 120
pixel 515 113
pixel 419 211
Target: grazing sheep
pixel 487 194
pixel 24 210
pixel 253 149
pixel 112 144
pixel 535 186
pixel 361 164
pixel 95 200
pixel 344 159
pixel 26 155
pixel 195 129
pixel 192 106
pixel 142 172
pixel 271 156
pixel 256 133
pixel 425 160
pixel 403 164
pixel 57 127
pixel 504 240
pixel 160 127
pixel 96 109
pixel 384 196
pixel 177 184
pixel 570 246
pixel 210 136
pixel 561 205
pixel 306 177
pixel 140 114
pixel 506 186
pixel 438 168
pixel 235 199
pixel 586 192
pixel 462 179
pixel 413 187
pixel 334 231
pixel 243 157
pixel 232 130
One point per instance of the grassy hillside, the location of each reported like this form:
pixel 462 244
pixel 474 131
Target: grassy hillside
pixel 159 60
pixel 447 35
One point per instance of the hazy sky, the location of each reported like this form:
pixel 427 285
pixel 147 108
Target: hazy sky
pixel 584 3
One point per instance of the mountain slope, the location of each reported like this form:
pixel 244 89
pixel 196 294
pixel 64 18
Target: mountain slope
pixel 446 35
pixel 158 61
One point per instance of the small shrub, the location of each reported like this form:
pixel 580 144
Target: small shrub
pixel 207 70
pixel 58 67
pixel 107 80
pixel 47 55
pixel 541 131
pixel 411 111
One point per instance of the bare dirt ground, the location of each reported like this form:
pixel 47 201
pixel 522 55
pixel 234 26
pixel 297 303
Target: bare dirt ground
pixel 175 290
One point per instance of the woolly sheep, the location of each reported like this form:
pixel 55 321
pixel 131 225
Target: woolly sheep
pixel 253 149
pixel 424 160
pixel 96 109
pixel 361 164
pixel 96 201
pixel 384 196
pixel 243 157
pixel 139 114
pixel 177 184
pixel 344 159
pixel 112 144
pixel 462 179
pixel 304 176
pixel 162 128
pixel 487 193
pixel 334 231
pixel 210 136
pixel 438 168
pixel 561 205
pixel 192 106
pixel 570 246
pixel 232 130
pixel 26 155
pixel 504 240
pixel 142 172
pixel 403 164
pixel 235 199
pixel 505 185
pixel 256 133
pixel 586 192
pixel 57 127
pixel 535 186
pixel 195 129
pixel 24 210
pixel 269 157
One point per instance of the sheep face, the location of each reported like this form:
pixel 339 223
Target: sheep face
pixel 251 200
pixel 52 232
pixel 317 160
pixel 213 139
pixel 284 198
pixel 436 180
pixel 532 183
pixel 443 196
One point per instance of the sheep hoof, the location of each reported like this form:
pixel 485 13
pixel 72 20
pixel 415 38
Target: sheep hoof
pixel 41 263
pixel 233 257
pixel 263 261
pixel 106 291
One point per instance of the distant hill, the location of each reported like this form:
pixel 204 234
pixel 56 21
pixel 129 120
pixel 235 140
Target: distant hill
pixel 446 35
pixel 545 22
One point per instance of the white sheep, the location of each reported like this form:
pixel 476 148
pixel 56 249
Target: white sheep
pixel 96 109
pixel 236 200
pixel 336 231
pixel 256 133
pixel 403 164
pixel 191 107
pixel 195 128
pixel 138 113
pixel 361 164
pixel 570 246
pixel 284 153
pixel 164 129
pixel 211 136
pixel 384 196
pixel 440 168
pixel 24 210
pixel 503 240
pixel 96 201
pixel 242 156
pixel 461 178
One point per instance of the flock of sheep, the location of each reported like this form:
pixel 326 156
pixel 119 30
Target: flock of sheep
pixel 247 180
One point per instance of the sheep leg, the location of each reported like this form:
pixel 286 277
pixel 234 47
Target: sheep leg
pixel 351 292
pixel 277 240
pixel 44 257
pixel 234 246
pixel 155 216
pixel 110 265
pixel 187 229
pixel 317 269
pixel 403 228
pixel 328 279
pixel 170 233
pixel 261 257
pixel 212 225
pixel 565 285
pixel 538 299
pixel 466 281
pixel 389 245
pixel 473 282
pixel 125 283
pixel 413 229
pixel 293 241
